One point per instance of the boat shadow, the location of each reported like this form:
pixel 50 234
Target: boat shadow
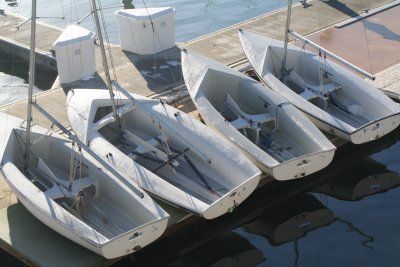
pixel 141 74
pixel 161 71
pixel 29 238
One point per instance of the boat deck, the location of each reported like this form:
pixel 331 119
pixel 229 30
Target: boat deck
pixel 22 235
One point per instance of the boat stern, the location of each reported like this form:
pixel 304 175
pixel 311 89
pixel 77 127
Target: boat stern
pixel 135 239
pixel 302 166
pixel 375 130
pixel 232 199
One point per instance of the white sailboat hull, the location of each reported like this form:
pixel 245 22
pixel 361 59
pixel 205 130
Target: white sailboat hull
pixel 288 145
pixel 111 220
pixel 343 104
pixel 227 178
pixel 51 214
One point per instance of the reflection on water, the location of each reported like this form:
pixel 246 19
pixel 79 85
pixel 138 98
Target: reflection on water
pixel 366 177
pixel 346 215
pixel 225 249
pixel 291 220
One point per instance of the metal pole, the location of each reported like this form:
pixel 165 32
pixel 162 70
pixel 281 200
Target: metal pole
pixel 124 92
pixel 90 13
pixel 89 151
pixel 106 69
pixel 175 131
pixel 332 55
pixel 289 13
pixel 30 87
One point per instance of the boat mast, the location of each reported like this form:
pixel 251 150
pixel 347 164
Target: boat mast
pixel 30 87
pixel 104 164
pixel 106 69
pixel 289 13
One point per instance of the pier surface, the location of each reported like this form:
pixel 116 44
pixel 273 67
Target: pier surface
pixel 155 74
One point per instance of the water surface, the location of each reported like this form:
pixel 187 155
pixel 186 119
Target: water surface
pixel 193 18
pixel 346 215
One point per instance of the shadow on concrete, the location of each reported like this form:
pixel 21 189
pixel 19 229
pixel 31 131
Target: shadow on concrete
pixel 161 71
pixel 41 245
pixel 95 83
pixel 305 4
pixel 375 27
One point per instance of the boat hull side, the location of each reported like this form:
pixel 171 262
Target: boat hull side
pixel 70 227
pixel 302 166
pixel 231 199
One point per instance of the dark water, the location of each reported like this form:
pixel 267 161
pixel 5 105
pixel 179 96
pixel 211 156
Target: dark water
pixel 346 215
pixel 14 80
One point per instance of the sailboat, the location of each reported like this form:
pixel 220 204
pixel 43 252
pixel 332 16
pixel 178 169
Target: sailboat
pixel 337 100
pixel 70 189
pixel 171 155
pixel 276 136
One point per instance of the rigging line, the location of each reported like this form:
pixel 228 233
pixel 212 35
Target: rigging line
pixel 118 98
pixel 183 140
pixel 79 165
pixel 273 64
pixel 277 58
pixel 45 135
pixel 160 134
pixel 12 75
pixel 65 25
pixel 72 166
pixel 107 39
pixel 303 64
pixel 193 127
pixel 198 173
pixel 366 42
pixel 76 10
pixel 18 142
pixel 153 158
pixel 321 82
pixel 63 13
pixel 135 166
pixel 80 41
pixel 20 139
pixel 201 143
pixel 9 96
pixel 168 161
pixel 155 34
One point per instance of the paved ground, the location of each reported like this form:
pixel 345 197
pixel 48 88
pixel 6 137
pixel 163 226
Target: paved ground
pixel 372 44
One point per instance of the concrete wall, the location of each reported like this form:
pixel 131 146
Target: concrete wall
pixel 45 63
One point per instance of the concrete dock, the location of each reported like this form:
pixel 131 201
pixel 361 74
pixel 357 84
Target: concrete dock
pixel 144 75
pixel 153 74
